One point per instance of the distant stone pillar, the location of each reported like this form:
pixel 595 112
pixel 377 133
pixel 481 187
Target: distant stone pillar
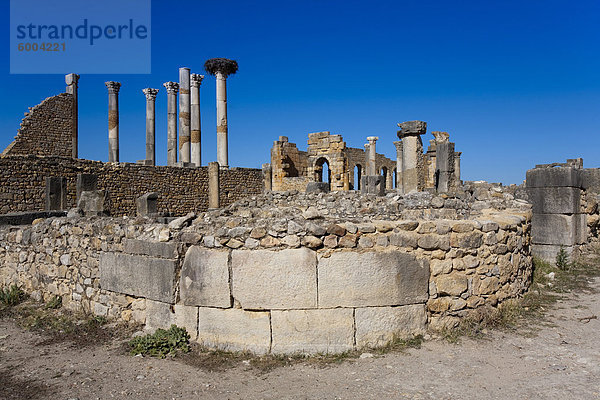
pixel 267 173
pixel 413 174
pixel 72 88
pixel 184 115
pixel 196 128
pixel 399 167
pixel 222 149
pixel 444 166
pixel 172 89
pixel 372 166
pixel 147 205
pixel 457 167
pixel 213 185
pixel 113 120
pixel 366 168
pixel 150 125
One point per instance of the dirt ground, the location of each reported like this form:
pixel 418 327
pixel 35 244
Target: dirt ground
pixel 559 360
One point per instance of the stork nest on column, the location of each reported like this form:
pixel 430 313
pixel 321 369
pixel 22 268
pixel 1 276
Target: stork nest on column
pixel 223 65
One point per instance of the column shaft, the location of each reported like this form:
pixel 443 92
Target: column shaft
pixel 222 153
pixel 172 89
pixel 196 129
pixel 184 115
pixel 113 120
pixel 151 124
pixel 372 167
pixel 72 88
pixel 213 185
pixel 399 166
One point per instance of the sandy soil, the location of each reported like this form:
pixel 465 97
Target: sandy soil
pixel 560 361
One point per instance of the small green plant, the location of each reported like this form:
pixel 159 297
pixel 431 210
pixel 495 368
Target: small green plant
pixel 54 303
pixel 162 343
pixel 11 296
pixel 562 259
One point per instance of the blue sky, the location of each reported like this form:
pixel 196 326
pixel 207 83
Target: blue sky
pixel 514 83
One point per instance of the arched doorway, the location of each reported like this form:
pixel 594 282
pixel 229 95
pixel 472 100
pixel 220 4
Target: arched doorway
pixel 395 183
pixel 357 176
pixel 322 171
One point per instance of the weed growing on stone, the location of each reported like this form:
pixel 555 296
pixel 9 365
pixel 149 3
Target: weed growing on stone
pixel 55 303
pixel 562 259
pixel 11 295
pixel 162 343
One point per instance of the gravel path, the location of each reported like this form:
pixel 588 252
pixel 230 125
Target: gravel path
pixel 560 361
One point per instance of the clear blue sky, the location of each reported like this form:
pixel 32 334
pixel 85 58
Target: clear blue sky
pixel 515 83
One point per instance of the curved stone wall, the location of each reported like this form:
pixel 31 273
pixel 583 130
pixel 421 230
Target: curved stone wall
pixel 312 284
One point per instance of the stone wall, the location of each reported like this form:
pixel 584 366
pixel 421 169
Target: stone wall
pixel 46 129
pixel 180 190
pixel 279 278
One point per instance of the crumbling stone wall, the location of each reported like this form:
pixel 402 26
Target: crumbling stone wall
pixel 293 169
pixel 283 278
pixel 180 190
pixel 46 129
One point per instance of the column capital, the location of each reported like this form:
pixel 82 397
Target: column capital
pixel 372 139
pixel 412 128
pixel 196 80
pixel 71 79
pixel 113 87
pixel 150 93
pixel 172 87
pixel 398 144
pixel 441 137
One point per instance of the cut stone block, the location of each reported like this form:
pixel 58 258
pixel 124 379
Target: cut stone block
pixel 234 329
pixel 86 182
pixel 317 187
pixel 548 252
pixel 140 276
pixel 312 331
pixel 56 193
pixel 552 177
pixel 205 278
pixel 556 229
pixel 377 326
pixel 264 279
pixel 373 185
pixel 350 279
pixel 590 179
pixel 555 200
pixel 163 315
pixel 91 202
pixel 152 249
pixel 147 204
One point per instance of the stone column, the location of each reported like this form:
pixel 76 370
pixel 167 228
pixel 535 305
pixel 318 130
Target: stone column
pixel 222 149
pixel 196 129
pixel 72 85
pixel 150 125
pixel 366 168
pixel 213 185
pixel 413 173
pixel 56 193
pixel 266 170
pixel 172 89
pixel 184 115
pixel 444 166
pixel 113 120
pixel 457 167
pixel 372 166
pixel 399 168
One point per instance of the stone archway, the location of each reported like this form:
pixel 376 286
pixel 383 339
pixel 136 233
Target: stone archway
pixel 322 170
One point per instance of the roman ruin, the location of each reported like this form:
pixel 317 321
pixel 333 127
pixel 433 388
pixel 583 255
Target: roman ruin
pixel 322 250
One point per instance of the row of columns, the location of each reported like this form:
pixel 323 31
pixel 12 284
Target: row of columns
pixel 190 147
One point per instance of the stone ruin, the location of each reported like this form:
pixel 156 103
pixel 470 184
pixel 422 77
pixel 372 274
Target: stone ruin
pixel 413 170
pixel 281 260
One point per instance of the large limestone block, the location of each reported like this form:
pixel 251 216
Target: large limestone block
pixel 548 252
pixel 351 279
pixel 555 200
pixel 312 331
pixel 552 177
pixel 234 329
pixel 162 316
pixel 264 279
pixel 139 276
pixel 152 249
pixel 376 326
pixel 205 278
pixel 557 229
